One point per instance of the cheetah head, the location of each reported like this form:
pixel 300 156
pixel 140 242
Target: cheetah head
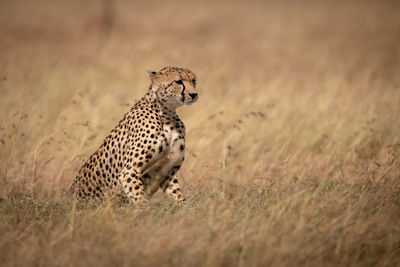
pixel 174 86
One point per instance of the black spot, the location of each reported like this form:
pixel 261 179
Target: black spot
pixel 181 147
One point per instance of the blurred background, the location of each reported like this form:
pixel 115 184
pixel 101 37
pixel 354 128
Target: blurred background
pixel 70 70
pixel 292 95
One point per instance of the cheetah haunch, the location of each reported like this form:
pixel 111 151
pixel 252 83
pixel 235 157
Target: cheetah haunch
pixel 147 147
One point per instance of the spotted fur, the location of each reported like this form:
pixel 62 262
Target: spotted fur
pixel 145 150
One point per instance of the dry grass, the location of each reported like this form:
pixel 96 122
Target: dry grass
pixel 292 152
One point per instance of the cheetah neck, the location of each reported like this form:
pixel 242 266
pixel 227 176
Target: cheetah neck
pixel 152 99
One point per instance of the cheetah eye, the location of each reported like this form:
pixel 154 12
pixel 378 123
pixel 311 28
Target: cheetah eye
pixel 179 82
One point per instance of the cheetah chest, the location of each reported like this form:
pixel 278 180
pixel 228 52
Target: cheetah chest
pixel 176 145
pixel 169 160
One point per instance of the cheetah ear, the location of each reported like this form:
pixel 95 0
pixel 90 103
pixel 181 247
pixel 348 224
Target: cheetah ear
pixel 151 74
pixel 153 79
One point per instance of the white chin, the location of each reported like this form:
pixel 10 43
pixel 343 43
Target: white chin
pixel 189 102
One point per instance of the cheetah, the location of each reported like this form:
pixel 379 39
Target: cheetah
pixel 146 149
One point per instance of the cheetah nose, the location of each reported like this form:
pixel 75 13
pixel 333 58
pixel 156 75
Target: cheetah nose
pixel 193 95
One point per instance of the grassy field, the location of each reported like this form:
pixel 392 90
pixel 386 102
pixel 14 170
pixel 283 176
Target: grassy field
pixel 292 153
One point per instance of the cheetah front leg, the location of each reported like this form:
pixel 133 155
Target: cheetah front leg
pixel 171 187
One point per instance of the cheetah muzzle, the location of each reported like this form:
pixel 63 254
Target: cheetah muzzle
pixel 146 149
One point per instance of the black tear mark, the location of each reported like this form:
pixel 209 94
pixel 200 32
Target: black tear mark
pixel 183 93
